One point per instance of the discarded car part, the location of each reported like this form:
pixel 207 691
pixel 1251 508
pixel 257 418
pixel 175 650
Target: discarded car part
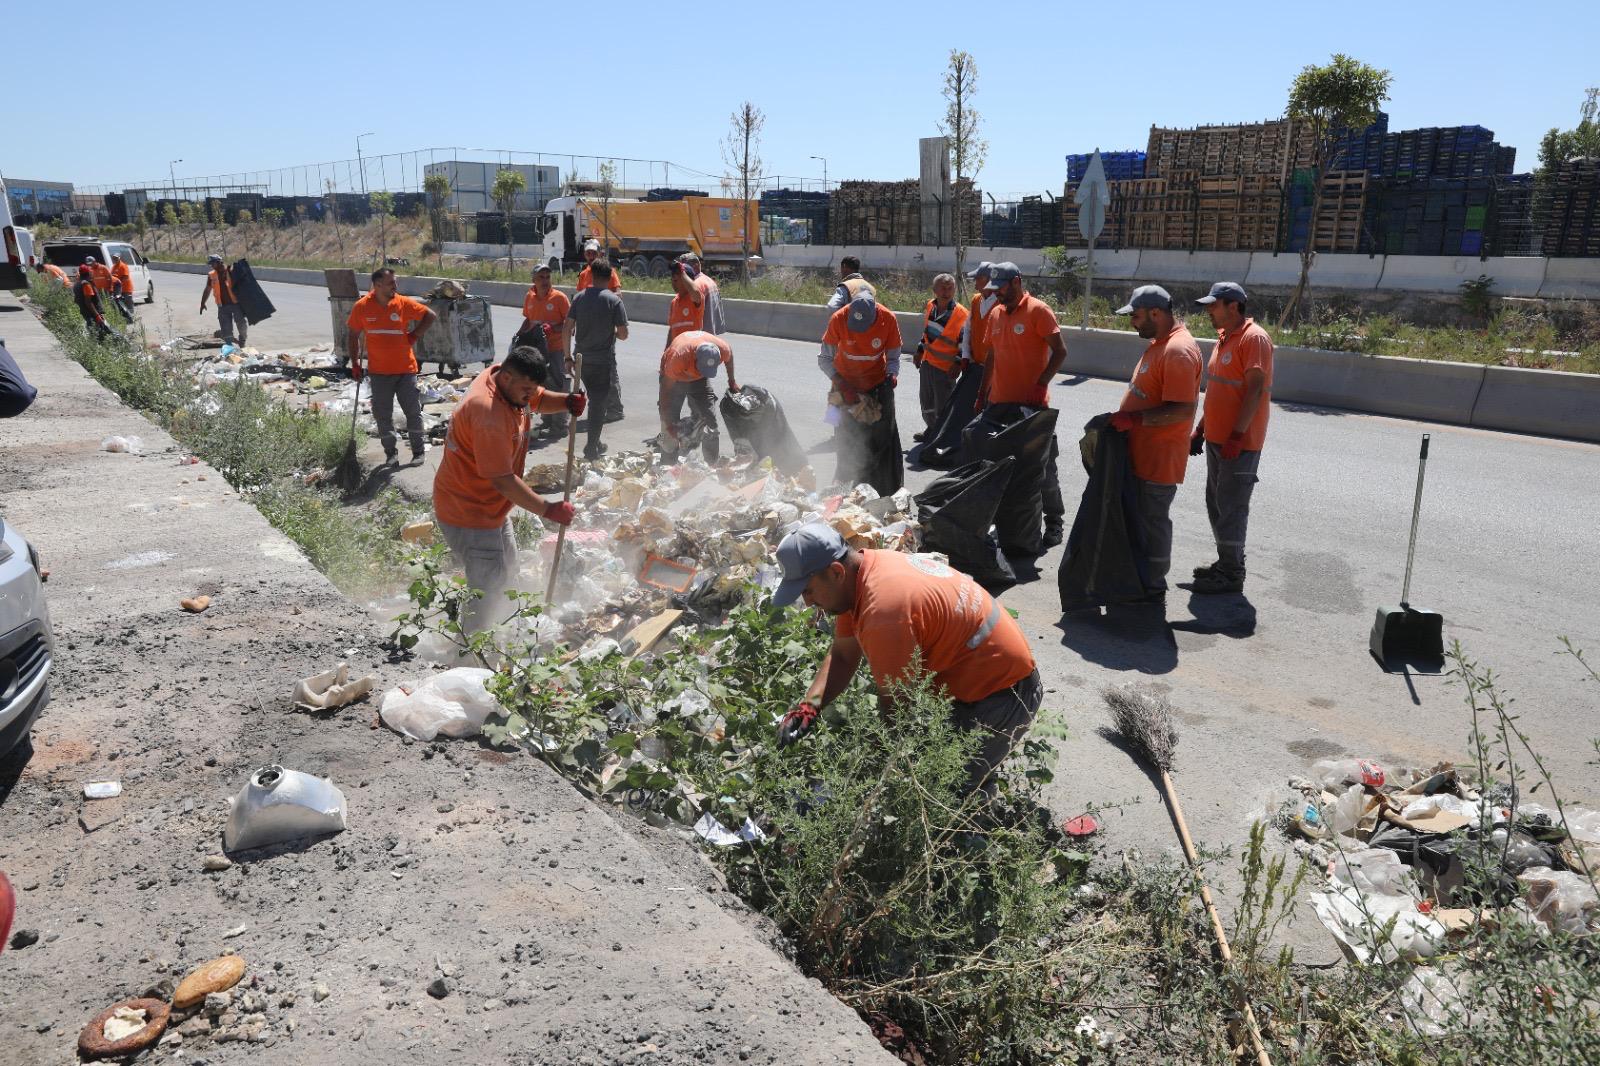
pixel 331 688
pixel 278 805
pixel 454 703
pixel 110 1033
pixel 1404 635
pixel 218 975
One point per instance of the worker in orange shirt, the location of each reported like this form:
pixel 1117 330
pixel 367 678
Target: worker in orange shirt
pixel 1232 431
pixel 391 324
pixel 230 316
pixel 53 271
pixel 480 478
pixel 687 367
pixel 861 357
pixel 124 283
pixel 547 306
pixel 591 252
pixel 1156 413
pixel 893 610
pixel 87 297
pixel 710 294
pixel 687 312
pixel 975 346
pixel 1025 353
pixel 104 282
pixel 938 353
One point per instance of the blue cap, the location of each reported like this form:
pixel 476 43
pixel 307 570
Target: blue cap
pixel 1225 290
pixel 1002 274
pixel 863 312
pixel 982 269
pixel 1147 296
pixel 707 357
pixel 802 555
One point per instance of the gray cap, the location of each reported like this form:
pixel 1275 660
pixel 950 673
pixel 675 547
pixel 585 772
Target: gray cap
pixel 542 268
pixel 689 257
pixel 982 269
pixel 1147 296
pixel 863 312
pixel 803 554
pixel 1225 290
pixel 707 357
pixel 1002 274
pixel 213 258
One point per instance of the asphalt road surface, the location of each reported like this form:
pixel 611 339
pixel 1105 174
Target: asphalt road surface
pixel 1269 681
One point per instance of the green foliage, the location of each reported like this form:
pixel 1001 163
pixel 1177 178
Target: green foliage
pixel 382 203
pixel 1558 146
pixel 1477 297
pixel 1342 94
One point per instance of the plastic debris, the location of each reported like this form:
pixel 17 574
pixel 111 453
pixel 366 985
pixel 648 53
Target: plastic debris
pixel 128 445
pixel 331 688
pixel 278 805
pixel 1563 900
pixel 1357 920
pixel 417 532
pixel 454 703
pixel 102 790
pixel 714 832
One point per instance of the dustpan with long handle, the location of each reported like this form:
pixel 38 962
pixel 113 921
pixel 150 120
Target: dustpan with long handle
pixel 1405 634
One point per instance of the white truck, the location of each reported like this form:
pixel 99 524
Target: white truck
pixel 68 253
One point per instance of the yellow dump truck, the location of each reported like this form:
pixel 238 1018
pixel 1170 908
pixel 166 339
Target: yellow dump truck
pixel 644 236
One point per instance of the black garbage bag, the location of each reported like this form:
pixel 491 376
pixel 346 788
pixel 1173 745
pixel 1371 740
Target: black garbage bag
pixel 755 416
pixel 251 296
pixel 15 393
pixel 1104 563
pixel 957 515
pixel 1025 434
pixel 941 447
pixel 870 453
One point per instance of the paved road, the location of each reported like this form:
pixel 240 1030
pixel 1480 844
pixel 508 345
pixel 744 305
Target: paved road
pixel 1269 681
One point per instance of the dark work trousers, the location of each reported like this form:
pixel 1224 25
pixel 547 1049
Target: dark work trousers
pixel 613 408
pixel 386 389
pixel 598 373
pixel 558 380
pixel 1155 530
pixel 1229 485
pixel 96 326
pixel 703 404
pixel 936 387
pixel 1001 718
pixel 1055 511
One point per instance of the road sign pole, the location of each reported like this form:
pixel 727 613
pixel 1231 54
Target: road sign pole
pixel 1088 285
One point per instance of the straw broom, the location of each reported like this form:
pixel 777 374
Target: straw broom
pixel 1145 722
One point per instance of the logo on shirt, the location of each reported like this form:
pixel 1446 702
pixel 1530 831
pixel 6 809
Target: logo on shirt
pixel 550 307
pixel 877 342
pixel 1227 357
pixel 929 565
pixel 1017 329
pixel 394 316
pixel 685 312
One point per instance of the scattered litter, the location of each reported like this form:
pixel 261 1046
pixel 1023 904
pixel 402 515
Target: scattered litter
pixel 102 790
pixel 1563 900
pixel 644 636
pixel 1357 921
pixel 215 863
pixel 454 703
pixel 331 688
pixel 217 975
pixel 128 445
pixel 124 1029
pixel 417 532
pixel 238 930
pixel 667 574
pixel 278 805
pixel 195 604
pixel 1084 825
pixel 714 832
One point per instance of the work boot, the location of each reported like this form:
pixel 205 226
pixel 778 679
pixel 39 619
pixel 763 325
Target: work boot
pixel 919 437
pixel 613 416
pixel 391 458
pixel 417 456
pixel 1053 535
pixel 1218 583
pixel 1208 569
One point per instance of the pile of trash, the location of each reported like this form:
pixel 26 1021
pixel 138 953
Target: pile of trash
pixel 1400 848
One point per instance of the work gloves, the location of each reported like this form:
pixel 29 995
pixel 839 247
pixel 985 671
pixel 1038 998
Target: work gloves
pixel 850 395
pixel 560 513
pixel 576 402
pixel 797 723
pixel 894 381
pixel 1197 442
pixel 356 373
pixel 1122 421
pixel 1231 447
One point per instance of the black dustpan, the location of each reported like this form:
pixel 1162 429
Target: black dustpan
pixel 1406 635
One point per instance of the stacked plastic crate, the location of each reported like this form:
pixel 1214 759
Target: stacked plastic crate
pixel 1119 166
pixel 1568 198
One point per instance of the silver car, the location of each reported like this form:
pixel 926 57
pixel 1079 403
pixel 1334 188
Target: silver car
pixel 26 642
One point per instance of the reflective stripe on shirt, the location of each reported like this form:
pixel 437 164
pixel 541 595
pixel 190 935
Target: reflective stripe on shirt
pixel 988 626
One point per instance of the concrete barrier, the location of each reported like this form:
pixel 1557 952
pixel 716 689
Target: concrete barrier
pixel 1193 266
pixel 1328 271
pixel 1571 279
pixel 1380 385
pixel 1442 273
pixel 1120 264
pixel 1549 402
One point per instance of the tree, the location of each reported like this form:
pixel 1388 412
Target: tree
pixel 273 217
pixel 741 151
pixel 1324 102
pixel 969 151
pixel 606 180
pixel 332 201
pixel 1558 146
pixel 169 218
pixel 301 211
pixel 437 186
pixel 508 185
pixel 382 206
pixel 141 221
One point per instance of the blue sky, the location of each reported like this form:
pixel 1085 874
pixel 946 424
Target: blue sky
pixel 246 88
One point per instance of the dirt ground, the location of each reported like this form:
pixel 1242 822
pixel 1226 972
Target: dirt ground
pixel 477 909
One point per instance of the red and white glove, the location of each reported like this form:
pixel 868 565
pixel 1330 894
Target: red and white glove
pixel 1123 421
pixel 576 402
pixel 560 513
pixel 1232 446
pixel 797 723
pixel 356 373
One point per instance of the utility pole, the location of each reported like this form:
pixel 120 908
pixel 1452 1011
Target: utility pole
pixel 361 164
pixel 824 171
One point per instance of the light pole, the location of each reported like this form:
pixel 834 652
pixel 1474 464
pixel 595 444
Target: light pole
pixel 360 163
pixel 824 171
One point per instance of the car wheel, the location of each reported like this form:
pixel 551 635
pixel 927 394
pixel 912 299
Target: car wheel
pixel 659 267
pixel 150 294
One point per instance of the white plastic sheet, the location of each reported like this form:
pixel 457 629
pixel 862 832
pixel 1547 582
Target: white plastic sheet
pixel 454 703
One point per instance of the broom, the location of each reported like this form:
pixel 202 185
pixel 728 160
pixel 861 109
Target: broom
pixel 1145 722
pixel 347 475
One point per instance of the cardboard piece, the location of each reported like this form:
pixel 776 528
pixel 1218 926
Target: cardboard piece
pixel 666 574
pixel 417 532
pixel 644 636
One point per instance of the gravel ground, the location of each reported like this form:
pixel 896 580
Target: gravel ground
pixel 478 909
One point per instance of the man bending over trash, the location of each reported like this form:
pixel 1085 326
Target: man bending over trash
pixel 480 478
pixel 888 607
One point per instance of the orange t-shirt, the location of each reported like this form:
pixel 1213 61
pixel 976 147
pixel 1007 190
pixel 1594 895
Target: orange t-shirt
pixel 1246 348
pixel 1019 348
pixel 124 275
pixel 678 362
pixel 685 314
pixel 388 332
pixel 1168 372
pixel 862 359
pixel 586 278
pixel 59 274
pixel 552 311
pixel 102 278
pixel 970 644
pixel 488 438
pixel 978 331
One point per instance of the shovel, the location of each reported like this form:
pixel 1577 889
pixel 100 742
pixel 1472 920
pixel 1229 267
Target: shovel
pixel 1405 635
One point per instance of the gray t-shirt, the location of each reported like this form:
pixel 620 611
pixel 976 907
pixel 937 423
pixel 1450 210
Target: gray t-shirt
pixel 596 314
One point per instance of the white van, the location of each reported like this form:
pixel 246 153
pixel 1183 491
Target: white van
pixel 68 253
pixel 13 264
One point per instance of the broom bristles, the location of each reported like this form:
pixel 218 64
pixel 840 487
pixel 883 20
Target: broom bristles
pixel 1145 722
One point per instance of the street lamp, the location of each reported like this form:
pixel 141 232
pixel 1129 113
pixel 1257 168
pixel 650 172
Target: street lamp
pixel 362 164
pixel 173 175
pixel 824 171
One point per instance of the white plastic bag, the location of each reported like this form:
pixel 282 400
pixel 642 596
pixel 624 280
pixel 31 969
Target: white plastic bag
pixel 1357 920
pixel 1346 811
pixel 1372 871
pixel 1561 899
pixel 454 703
pixel 130 445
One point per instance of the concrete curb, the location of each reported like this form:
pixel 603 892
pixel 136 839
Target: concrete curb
pixel 1547 402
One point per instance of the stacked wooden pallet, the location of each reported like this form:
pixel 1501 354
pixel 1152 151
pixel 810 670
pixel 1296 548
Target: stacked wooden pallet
pixel 1568 197
pixel 876 212
pixel 1270 147
pixel 1237 213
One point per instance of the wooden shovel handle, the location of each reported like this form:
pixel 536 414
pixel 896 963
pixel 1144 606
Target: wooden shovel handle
pixel 566 494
